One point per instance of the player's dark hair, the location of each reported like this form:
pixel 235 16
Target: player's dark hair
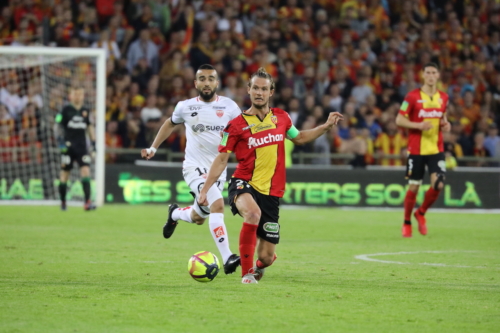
pixel 430 64
pixel 206 66
pixel 262 73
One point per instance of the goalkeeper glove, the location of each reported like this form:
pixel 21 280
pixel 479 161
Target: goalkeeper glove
pixel 63 148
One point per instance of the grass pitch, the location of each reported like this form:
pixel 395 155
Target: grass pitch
pixel 337 271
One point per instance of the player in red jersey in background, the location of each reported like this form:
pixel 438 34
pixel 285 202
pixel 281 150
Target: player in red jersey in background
pixel 257 137
pixel 423 112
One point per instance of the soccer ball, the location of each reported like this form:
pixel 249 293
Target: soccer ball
pixel 203 266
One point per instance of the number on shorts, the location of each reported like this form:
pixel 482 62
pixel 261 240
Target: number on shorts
pixel 410 164
pixel 201 172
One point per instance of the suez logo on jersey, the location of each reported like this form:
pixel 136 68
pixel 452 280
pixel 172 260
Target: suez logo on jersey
pixel 430 114
pixel 200 128
pixel 253 142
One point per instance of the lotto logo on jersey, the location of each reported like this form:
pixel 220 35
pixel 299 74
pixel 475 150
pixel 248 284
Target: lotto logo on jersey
pixel 219 232
pixel 430 114
pixel 253 142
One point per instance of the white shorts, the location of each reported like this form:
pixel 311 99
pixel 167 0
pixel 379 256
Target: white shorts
pixel 196 182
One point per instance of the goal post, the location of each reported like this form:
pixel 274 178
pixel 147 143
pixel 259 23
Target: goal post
pixel 29 154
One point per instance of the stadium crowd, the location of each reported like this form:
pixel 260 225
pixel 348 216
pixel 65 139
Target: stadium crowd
pixel 359 57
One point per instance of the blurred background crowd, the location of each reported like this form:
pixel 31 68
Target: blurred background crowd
pixel 358 57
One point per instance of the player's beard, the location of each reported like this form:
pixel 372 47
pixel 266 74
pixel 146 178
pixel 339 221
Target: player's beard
pixel 261 106
pixel 206 96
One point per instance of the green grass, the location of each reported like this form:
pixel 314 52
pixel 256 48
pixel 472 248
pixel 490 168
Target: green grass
pixel 111 271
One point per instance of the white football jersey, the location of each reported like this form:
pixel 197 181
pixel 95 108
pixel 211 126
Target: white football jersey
pixel 204 123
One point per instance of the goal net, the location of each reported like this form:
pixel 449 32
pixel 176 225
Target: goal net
pixel 34 86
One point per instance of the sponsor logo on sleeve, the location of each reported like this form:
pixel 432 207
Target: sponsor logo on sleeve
pixel 404 106
pixel 223 142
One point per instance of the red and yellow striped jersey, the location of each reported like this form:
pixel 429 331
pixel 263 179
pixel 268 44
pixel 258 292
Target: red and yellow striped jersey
pixel 259 146
pixel 390 145
pixel 419 107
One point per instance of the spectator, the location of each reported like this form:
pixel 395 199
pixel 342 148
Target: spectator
pixel 362 90
pixel 202 51
pixel 479 149
pixel 141 74
pixel 110 46
pixel 33 96
pixel 143 48
pixel 113 140
pixel 150 113
pixel 356 145
pixel 471 110
pixel 370 124
pixel 492 141
pixel 9 96
pixel 391 142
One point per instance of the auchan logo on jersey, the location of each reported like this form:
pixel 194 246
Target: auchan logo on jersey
pixel 253 142
pixel 430 114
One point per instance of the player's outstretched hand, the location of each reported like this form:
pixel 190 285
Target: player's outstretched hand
pixel 425 126
pixel 202 199
pixel 445 125
pixel 147 153
pixel 333 119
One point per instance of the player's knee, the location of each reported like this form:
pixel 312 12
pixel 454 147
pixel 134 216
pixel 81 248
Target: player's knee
pixel 217 206
pixel 439 183
pixel 252 216
pixel 197 218
pixel 413 188
pixel 64 176
pixel 85 171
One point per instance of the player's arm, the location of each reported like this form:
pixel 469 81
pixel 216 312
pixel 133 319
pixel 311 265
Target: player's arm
pixel 164 132
pixel 60 130
pixel 402 119
pixel 91 134
pixel 218 166
pixel 445 124
pixel 303 137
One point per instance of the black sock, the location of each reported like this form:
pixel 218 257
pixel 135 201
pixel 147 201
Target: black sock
pixel 86 188
pixel 407 222
pixel 63 187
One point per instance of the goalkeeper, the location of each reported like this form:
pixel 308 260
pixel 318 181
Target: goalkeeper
pixel 73 125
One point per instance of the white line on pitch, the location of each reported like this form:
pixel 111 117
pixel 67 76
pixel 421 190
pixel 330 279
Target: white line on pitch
pixel 368 257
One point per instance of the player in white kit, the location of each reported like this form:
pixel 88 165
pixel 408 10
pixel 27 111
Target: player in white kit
pixel 204 117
